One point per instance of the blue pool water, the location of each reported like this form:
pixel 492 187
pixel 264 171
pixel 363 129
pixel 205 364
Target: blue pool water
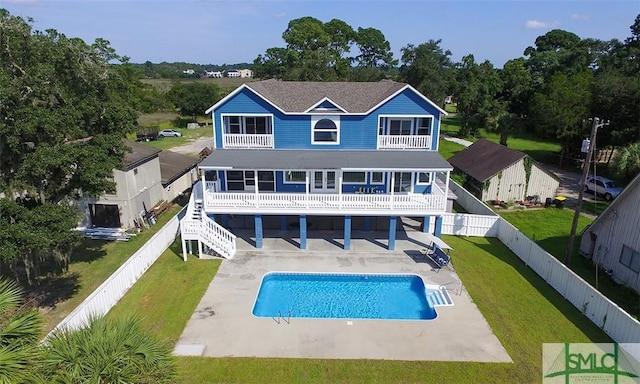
pixel 352 296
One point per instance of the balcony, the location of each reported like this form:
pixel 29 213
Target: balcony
pixel 238 140
pixel 325 204
pixel 404 142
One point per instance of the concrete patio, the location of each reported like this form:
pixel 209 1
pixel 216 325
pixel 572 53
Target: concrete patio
pixel 223 324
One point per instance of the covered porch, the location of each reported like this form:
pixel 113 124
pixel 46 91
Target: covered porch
pixel 323 182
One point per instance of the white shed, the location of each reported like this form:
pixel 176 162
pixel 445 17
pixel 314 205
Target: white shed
pixel 495 172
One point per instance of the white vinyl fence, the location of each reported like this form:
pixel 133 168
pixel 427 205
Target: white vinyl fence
pixel 114 288
pixel 604 313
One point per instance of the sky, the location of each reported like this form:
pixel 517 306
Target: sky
pixel 228 32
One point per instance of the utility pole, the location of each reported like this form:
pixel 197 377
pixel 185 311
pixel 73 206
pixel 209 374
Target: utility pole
pixel 585 172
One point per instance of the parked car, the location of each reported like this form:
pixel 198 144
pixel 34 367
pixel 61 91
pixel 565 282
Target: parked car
pixel 602 186
pixel 169 133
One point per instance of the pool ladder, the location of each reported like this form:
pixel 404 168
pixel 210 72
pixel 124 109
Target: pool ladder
pixel 287 320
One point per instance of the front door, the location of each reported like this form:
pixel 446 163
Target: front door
pixel 324 182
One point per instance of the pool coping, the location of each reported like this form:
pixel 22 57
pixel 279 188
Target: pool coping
pixel 426 286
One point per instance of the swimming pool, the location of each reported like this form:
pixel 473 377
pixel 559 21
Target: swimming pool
pixel 353 296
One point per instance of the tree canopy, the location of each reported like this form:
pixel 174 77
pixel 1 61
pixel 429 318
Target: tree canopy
pixel 318 51
pixel 65 108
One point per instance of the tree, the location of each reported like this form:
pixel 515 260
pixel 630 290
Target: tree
pixel 517 85
pixel 107 351
pixel 560 109
pixel 63 117
pixel 192 99
pixel 553 52
pixel 476 91
pixel 20 331
pixel 427 68
pixel 626 163
pixel 318 51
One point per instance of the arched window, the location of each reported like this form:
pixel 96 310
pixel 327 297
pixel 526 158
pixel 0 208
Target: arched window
pixel 325 131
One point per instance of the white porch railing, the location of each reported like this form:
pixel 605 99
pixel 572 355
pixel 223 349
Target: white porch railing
pixel 235 140
pixel 212 234
pixel 293 203
pixel 404 141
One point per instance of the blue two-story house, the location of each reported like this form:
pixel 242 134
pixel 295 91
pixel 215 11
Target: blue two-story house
pixel 302 149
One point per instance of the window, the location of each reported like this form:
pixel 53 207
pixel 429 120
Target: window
pixel 249 178
pixel 295 177
pixel 400 127
pixel 235 181
pixel 233 124
pixel 402 182
pixel 249 125
pixel 325 130
pixel 630 258
pixel 424 126
pixel 266 181
pixel 377 178
pixel 424 178
pixel 354 177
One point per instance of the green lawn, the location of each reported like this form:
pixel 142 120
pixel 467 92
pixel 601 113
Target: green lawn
pixel 448 148
pixel 539 150
pixel 550 229
pixel 92 263
pixel 188 135
pixel 518 305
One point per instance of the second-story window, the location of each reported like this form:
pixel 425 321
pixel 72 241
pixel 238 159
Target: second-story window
pixel 325 130
pixel 247 125
pixel 424 126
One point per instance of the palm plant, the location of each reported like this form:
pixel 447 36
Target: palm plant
pixel 107 351
pixel 626 163
pixel 20 330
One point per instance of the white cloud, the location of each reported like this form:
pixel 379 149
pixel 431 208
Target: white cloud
pixel 535 24
pixel 579 16
pixel 280 15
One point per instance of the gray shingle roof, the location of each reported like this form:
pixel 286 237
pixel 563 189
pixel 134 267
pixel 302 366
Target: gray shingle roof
pixel 139 154
pixel 173 165
pixel 354 97
pixel 325 159
pixel 484 159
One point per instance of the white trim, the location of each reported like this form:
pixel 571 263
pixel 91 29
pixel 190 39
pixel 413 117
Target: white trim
pixel 284 177
pixel 311 109
pixel 431 176
pixel 355 182
pixel 333 118
pixel 242 117
pixel 370 175
pixel 407 86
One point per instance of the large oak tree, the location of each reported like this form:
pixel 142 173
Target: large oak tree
pixel 64 110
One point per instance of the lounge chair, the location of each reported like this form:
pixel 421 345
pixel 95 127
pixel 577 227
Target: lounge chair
pixel 439 257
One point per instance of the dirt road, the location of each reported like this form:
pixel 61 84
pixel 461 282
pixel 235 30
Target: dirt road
pixel 194 147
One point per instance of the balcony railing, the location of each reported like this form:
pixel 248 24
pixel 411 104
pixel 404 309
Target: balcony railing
pixel 404 142
pixel 237 140
pixel 300 203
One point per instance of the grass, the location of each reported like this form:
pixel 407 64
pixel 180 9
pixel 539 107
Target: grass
pixel 188 135
pixel 92 263
pixel 449 148
pixel 550 229
pixel 226 84
pixel 518 305
pixel 595 207
pixel 542 151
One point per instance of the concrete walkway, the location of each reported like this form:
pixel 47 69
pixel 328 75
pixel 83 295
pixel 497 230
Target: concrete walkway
pixel 223 324
pixel 464 142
